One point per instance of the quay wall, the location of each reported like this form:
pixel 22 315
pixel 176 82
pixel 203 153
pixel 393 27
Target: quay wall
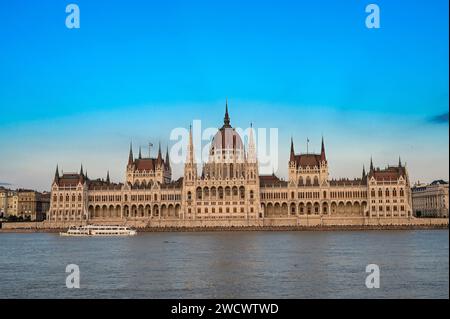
pixel 249 224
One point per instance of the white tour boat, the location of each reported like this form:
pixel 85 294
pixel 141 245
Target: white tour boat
pixel 99 230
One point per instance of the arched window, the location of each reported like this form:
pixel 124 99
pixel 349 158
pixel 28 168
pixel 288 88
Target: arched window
pixel 372 193
pixel 189 195
pixel 402 193
pixel 394 192
pixel 251 194
pixel 242 192
pixel 380 193
pixel 387 192
pixel 79 197
pixel 199 193
pixel 316 181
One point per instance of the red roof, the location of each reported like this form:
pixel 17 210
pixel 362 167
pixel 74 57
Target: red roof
pixel 69 179
pixel 148 164
pixel 389 173
pixel 271 180
pixel 310 160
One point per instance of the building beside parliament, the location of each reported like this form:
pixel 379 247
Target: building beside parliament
pixel 229 188
pixel 430 200
pixel 24 204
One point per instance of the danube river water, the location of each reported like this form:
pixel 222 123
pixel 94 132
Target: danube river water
pixel 328 264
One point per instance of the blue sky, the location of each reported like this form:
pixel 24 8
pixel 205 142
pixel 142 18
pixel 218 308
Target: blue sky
pixel 138 69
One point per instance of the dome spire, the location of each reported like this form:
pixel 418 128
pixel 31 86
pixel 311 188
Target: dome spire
pixel 226 119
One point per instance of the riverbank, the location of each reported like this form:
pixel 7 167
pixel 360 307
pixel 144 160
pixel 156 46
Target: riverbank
pixel 253 228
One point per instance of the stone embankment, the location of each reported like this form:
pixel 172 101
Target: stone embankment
pixel 266 224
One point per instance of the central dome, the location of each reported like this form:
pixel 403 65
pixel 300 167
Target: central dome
pixel 227 139
pixel 226 144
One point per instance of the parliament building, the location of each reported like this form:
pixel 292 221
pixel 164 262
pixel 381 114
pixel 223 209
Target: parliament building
pixel 229 188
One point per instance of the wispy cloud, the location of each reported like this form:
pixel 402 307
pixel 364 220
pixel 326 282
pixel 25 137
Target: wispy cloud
pixel 439 119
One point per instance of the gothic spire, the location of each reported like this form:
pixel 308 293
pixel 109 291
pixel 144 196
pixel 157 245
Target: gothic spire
pixel 292 157
pixel 371 164
pixel 159 158
pixel 399 162
pixel 251 146
pixel 107 177
pixel 190 148
pixel 364 172
pixel 56 174
pixel 81 174
pixel 226 119
pixel 322 152
pixel 130 156
pixel 140 153
pixel 167 160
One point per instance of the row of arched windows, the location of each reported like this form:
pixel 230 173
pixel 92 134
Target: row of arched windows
pixel 308 182
pixel 220 193
pixel 387 192
pixel 67 198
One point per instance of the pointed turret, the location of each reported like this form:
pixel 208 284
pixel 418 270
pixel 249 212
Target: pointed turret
pixel 159 158
pixel 363 172
pixel 107 177
pixel 130 156
pixel 167 160
pixel 56 179
pixel 323 157
pixel 81 175
pixel 140 153
pixel 399 162
pixel 371 164
pixel 226 119
pixel 292 157
pixel 251 146
pixel 190 148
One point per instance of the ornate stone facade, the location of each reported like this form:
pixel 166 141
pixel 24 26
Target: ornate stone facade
pixel 229 187
pixel 430 200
